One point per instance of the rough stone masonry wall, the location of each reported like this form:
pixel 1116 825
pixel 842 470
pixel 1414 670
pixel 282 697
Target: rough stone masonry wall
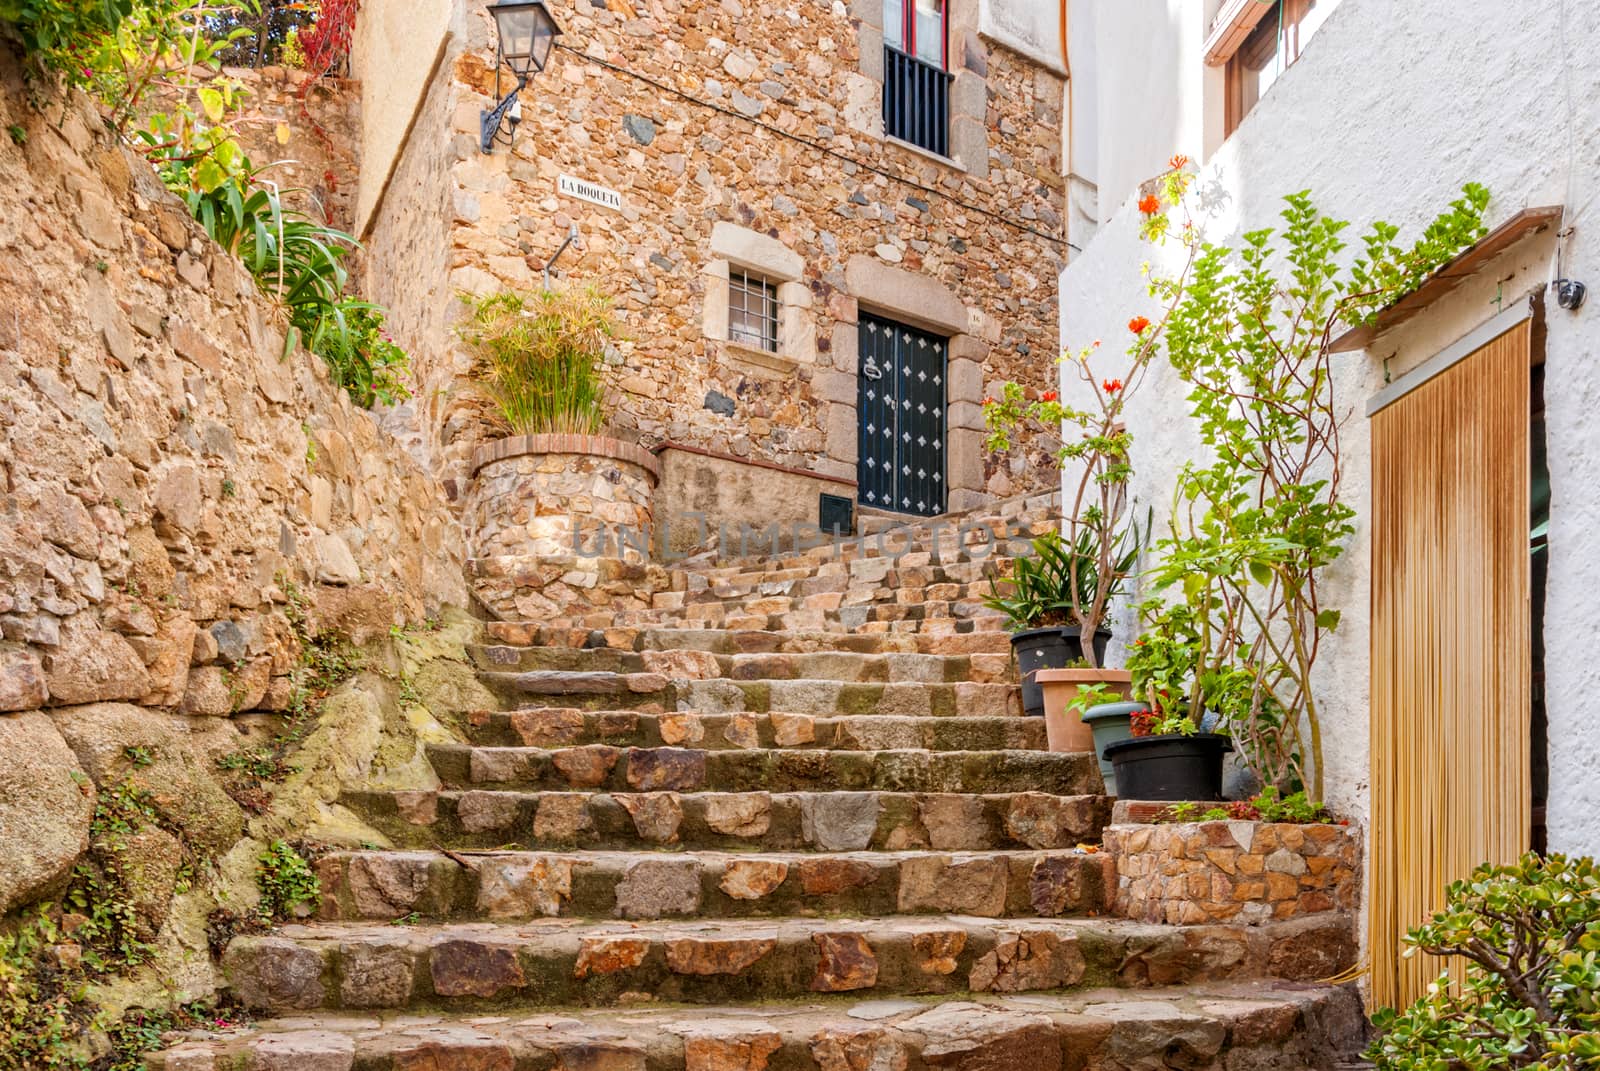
pixel 169 478
pixel 1188 873
pixel 682 168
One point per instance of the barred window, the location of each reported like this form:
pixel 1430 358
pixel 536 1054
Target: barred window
pixel 752 310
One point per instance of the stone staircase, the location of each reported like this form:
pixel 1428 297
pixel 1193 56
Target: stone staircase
pixel 747 830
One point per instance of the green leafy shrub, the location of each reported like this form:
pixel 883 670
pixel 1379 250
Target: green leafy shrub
pixel 286 881
pixel 541 354
pixel 1529 934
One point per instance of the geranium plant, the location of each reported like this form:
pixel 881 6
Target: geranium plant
pixel 1090 439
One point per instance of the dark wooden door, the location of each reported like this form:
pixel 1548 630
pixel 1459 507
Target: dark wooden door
pixel 900 403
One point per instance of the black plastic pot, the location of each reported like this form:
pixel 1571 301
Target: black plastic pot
pixel 1049 648
pixel 1170 767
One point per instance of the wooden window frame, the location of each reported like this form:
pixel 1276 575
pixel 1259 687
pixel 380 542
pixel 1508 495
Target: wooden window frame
pixel 1294 13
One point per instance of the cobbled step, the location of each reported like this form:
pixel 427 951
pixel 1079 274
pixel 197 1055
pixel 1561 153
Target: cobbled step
pixel 557 962
pixel 601 690
pixel 1241 1025
pixel 743 641
pixel 681 769
pixel 386 885
pixel 733 821
pixel 569 727
pixel 897 667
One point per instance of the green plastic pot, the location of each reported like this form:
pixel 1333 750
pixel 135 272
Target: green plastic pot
pixel 1111 722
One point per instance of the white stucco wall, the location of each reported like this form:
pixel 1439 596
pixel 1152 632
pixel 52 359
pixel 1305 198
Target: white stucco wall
pixel 1391 109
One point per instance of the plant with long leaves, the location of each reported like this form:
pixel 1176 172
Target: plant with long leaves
pixel 542 355
pixel 1044 586
pixel 1091 440
pixel 1256 526
pixel 1529 935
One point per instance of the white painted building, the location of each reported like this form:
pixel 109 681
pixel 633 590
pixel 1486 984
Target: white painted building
pixel 1386 108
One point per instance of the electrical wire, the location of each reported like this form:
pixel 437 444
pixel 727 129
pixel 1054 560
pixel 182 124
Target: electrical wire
pixel 817 146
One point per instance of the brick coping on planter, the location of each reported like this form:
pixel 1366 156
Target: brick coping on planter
pixel 594 445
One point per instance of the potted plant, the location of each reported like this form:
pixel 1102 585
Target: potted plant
pixel 1184 674
pixel 1068 583
pixel 1037 600
pixel 1109 722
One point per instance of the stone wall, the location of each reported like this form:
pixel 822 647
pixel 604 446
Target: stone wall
pixel 770 124
pixel 174 487
pixel 1190 873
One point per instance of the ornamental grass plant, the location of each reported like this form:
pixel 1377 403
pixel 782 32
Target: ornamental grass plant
pixel 540 355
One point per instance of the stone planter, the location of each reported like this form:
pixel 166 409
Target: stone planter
pixel 1190 873
pixel 545 517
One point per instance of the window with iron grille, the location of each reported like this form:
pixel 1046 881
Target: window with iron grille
pixel 752 310
pixel 916 82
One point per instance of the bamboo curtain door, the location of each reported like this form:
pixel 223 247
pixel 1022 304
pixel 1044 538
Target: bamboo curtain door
pixel 1451 640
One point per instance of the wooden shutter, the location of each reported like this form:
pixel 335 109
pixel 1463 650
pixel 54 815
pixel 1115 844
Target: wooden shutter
pixel 1451 659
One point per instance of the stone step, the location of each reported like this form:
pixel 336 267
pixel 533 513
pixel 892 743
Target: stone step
pixel 606 768
pixel 1234 1025
pixel 552 962
pixel 742 641
pixel 748 821
pixel 603 690
pixel 895 667
pixel 386 885
pixel 909 572
pixel 570 727
pixel 964 612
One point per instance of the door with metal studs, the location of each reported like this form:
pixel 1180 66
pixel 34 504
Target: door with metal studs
pixel 901 408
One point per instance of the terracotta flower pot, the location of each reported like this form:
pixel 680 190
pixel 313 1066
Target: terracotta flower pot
pixel 1065 730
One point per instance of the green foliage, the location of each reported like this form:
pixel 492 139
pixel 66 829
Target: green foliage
pixel 1271 806
pixel 1046 586
pixel 324 662
pixel 364 359
pixel 1529 934
pixel 286 881
pixel 64 35
pixel 1254 527
pixel 1091 440
pixel 19 134
pixel 542 354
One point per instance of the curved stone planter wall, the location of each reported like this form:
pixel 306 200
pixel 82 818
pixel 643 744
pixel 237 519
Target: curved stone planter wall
pixel 532 500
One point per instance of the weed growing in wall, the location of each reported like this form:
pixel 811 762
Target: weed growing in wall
pixel 289 888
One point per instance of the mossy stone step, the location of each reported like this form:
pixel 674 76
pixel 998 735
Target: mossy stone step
pixel 740 641
pixel 385 885
pixel 556 962
pixel 569 727
pixel 1232 1025
pixel 602 690
pixel 897 667
pixel 685 769
pixel 734 821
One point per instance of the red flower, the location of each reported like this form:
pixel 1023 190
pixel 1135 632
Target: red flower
pixel 1138 324
pixel 1149 204
pixel 1112 385
pixel 1049 396
pixel 1178 162
pixel 988 401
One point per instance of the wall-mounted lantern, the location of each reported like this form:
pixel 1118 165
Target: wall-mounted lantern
pixel 526 33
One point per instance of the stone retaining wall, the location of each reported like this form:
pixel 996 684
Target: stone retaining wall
pixel 1187 873
pixel 175 489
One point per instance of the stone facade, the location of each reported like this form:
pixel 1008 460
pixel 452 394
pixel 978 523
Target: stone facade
pixel 764 151
pixel 172 480
pixel 1191 873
